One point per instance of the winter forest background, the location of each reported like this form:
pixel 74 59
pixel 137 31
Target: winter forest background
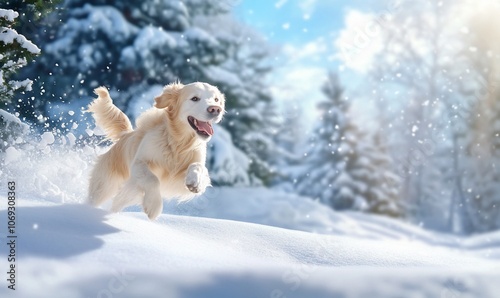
pixel 391 108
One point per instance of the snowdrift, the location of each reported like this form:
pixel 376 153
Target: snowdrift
pixel 74 250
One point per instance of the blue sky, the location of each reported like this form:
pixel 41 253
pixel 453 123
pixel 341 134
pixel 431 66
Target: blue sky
pixel 305 32
pixel 286 21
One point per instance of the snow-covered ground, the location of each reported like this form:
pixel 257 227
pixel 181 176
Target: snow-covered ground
pixel 231 242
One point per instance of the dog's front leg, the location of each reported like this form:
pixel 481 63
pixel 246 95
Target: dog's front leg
pixel 142 178
pixel 152 204
pixel 197 179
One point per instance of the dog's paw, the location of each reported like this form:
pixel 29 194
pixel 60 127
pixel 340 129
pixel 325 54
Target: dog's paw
pixel 193 183
pixel 197 178
pixel 152 205
pixel 195 188
pixel 153 209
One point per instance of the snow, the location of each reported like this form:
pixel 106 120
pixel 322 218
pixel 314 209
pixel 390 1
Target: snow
pixel 151 38
pixel 188 256
pixel 201 35
pixel 219 74
pixel 144 101
pixel 71 138
pixel 8 14
pixel 47 138
pixel 8 36
pixel 106 19
pixel 11 155
pixel 26 84
pixel 9 118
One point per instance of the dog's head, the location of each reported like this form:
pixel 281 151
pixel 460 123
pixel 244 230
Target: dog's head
pixel 194 107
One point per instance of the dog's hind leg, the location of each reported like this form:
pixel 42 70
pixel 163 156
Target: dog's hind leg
pixel 103 183
pixel 128 195
pixel 105 180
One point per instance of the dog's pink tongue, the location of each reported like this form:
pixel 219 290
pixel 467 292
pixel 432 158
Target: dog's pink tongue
pixel 205 126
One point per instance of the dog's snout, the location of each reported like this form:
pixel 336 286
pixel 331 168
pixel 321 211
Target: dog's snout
pixel 214 110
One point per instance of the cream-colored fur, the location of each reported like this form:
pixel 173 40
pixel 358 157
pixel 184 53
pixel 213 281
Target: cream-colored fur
pixel 163 156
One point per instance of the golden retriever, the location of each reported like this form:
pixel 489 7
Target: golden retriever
pixel 165 154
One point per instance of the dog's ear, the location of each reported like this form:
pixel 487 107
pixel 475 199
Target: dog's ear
pixel 169 95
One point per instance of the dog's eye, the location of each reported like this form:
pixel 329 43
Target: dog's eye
pixel 216 99
pixel 195 98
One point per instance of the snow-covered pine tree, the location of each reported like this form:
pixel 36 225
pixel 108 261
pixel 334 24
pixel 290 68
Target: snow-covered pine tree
pixel 325 163
pixel 291 140
pixel 15 52
pixel 346 169
pixel 383 184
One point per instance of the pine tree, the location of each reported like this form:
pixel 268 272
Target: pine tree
pixel 15 52
pixel 290 140
pixel 383 191
pixel 326 160
pixel 347 169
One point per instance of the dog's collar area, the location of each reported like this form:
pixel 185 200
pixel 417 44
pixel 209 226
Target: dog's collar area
pixel 202 128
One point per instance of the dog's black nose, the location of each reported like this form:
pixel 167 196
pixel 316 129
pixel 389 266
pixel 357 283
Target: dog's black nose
pixel 214 110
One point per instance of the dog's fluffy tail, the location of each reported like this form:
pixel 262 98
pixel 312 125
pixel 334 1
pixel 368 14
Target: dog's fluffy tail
pixel 107 116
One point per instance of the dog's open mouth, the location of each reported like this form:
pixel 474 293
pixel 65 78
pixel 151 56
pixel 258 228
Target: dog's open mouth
pixel 202 128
